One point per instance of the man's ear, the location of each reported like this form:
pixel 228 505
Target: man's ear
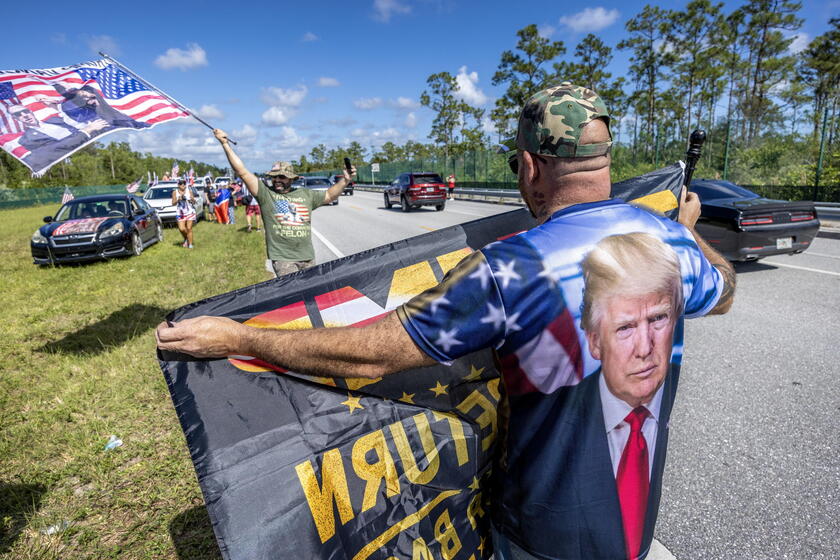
pixel 530 169
pixel 594 344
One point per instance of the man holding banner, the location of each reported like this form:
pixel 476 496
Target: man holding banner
pixel 523 296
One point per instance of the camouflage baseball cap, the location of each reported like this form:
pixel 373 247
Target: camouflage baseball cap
pixel 282 169
pixel 552 120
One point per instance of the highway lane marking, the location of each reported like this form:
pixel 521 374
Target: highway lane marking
pixel 466 213
pixel 356 207
pixel 429 228
pixel 326 242
pixel 822 255
pixel 774 263
pixel 659 552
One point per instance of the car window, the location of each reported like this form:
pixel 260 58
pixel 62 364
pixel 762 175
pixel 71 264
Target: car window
pixel 720 189
pixel 427 179
pixel 158 193
pixel 318 182
pixel 135 208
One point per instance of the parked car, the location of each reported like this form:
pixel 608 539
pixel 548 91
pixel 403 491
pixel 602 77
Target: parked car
pixel 96 227
pixel 412 190
pixel 159 197
pixel 316 184
pixel 348 188
pixel 744 226
pixel 220 181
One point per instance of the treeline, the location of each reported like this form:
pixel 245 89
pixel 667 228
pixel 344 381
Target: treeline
pixel 731 73
pixel 97 164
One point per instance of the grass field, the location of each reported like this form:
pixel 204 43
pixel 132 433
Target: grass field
pixel 79 365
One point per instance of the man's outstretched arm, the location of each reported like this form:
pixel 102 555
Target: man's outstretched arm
pixel 689 212
pixel 335 191
pixel 371 351
pixel 248 178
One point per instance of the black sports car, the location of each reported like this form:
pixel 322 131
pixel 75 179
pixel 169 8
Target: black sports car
pixel 744 226
pixel 97 227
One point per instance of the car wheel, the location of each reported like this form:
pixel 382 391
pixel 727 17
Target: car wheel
pixel 159 232
pixel 404 204
pixel 136 244
pixel 387 201
pixel 440 207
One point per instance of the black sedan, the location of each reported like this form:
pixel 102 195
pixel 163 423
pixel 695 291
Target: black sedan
pixel 744 226
pixel 96 227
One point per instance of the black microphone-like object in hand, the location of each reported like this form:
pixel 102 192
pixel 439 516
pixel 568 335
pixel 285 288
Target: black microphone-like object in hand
pixel 347 165
pixel 692 154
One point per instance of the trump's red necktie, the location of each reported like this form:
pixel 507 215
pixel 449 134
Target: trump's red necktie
pixel 633 482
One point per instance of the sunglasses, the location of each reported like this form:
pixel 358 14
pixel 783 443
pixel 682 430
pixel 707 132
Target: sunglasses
pixel 513 162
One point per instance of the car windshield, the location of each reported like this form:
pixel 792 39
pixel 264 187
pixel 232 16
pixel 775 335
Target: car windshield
pixel 160 192
pixel 427 179
pixel 93 209
pixel 318 182
pixel 720 189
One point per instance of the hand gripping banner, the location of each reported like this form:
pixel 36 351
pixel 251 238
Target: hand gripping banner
pixel 293 466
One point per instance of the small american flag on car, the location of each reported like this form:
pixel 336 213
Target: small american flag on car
pixel 133 186
pixel 290 213
pixel 73 105
pixel 67 196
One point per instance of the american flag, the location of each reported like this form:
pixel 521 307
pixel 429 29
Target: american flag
pixel 176 169
pixel 37 90
pixel 133 186
pixel 155 181
pixel 67 196
pixel 290 213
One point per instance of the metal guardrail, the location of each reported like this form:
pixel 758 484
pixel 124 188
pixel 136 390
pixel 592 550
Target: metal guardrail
pixel 508 195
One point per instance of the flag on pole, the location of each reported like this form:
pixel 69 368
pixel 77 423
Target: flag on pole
pixel 133 186
pixel 67 196
pixel 176 169
pixel 155 180
pixel 148 178
pixel 47 114
pixel 192 176
pixel 221 205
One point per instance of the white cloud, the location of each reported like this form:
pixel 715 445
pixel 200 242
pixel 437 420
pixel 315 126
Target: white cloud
pixel 104 43
pixel 545 30
pixel 209 112
pixel 590 19
pixel 368 103
pixel 181 140
pixel 289 138
pixel 404 103
pixel 291 97
pixel 487 126
pixel 308 37
pixel 410 120
pixel 324 81
pixel 245 135
pixel 800 42
pixel 384 9
pixel 275 116
pixel 468 87
pixel 193 57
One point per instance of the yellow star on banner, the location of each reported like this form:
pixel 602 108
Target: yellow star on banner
pixel 481 546
pixel 475 373
pixel 474 484
pixel 439 389
pixel 352 403
pixel 407 398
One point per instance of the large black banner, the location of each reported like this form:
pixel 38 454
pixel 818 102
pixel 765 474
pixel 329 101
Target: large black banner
pixel 293 466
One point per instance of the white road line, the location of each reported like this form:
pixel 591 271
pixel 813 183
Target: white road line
pixel 326 242
pixel 774 263
pixel 822 255
pixel 450 211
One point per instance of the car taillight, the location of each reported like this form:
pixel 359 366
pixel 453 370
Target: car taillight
pixel 756 220
pixel 801 216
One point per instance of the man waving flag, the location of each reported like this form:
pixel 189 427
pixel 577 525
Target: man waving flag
pixel 47 114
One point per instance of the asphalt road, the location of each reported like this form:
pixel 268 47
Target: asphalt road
pixel 754 459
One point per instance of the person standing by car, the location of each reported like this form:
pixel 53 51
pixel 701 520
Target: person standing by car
pixel 184 202
pixel 451 181
pixel 285 211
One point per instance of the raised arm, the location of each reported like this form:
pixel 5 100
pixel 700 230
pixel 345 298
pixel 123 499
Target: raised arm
pixel 335 191
pixel 248 178
pixel 371 351
pixel 689 212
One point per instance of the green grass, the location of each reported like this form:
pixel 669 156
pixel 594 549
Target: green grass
pixel 79 365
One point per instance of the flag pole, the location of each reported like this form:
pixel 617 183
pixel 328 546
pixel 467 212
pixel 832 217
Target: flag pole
pixel 160 91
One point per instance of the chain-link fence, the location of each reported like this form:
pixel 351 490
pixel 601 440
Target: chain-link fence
pixel 18 198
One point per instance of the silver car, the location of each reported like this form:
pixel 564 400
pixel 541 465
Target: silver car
pixel 159 197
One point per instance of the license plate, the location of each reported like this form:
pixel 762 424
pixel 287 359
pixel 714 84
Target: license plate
pixel 430 189
pixel 784 243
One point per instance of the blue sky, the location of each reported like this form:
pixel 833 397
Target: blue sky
pixel 281 77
